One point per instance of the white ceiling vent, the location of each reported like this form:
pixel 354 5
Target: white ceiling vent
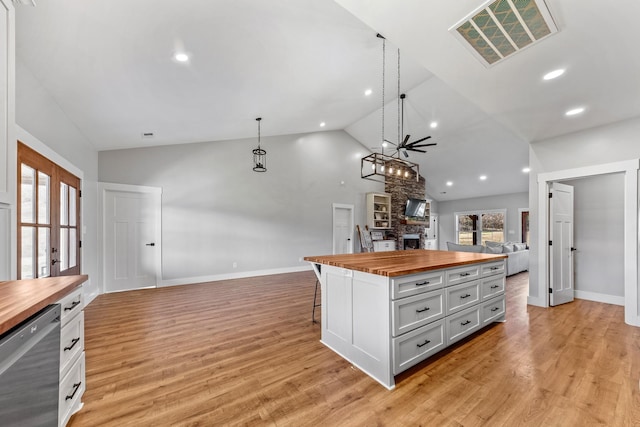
pixel 500 28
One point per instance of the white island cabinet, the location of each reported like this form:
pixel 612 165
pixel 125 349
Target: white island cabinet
pixel 385 312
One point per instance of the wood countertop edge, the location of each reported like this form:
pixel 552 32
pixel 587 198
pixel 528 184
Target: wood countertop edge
pixel 356 262
pixel 17 305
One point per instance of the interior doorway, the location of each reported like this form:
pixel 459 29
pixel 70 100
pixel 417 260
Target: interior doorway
pixel 343 227
pixel 539 292
pixel 131 237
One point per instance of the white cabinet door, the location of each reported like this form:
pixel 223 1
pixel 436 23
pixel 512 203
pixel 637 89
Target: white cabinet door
pixel 7 100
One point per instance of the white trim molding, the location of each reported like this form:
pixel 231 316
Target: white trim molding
pixel 239 275
pixel 631 230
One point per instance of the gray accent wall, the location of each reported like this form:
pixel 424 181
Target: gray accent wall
pixel 511 202
pixel 216 211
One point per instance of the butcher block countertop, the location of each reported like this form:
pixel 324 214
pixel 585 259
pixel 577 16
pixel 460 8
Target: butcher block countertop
pixel 401 263
pixel 20 299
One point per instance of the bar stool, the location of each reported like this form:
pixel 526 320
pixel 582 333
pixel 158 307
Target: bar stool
pixel 315 304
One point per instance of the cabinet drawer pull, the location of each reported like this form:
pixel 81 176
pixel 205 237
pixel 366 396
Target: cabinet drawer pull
pixel 465 296
pixel 76 386
pixel 495 309
pixel 466 322
pixel 495 286
pixel 424 343
pixel 426 282
pixel 422 310
pixel 73 344
pixel 465 274
pixel 72 306
pixel 495 268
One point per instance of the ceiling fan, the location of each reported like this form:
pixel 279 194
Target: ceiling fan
pixel 405 146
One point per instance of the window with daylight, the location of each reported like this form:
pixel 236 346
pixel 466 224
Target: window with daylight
pixel 476 228
pixel 48 217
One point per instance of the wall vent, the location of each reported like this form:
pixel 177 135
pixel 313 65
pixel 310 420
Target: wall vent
pixel 500 28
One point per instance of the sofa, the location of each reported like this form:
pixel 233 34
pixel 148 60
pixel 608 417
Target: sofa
pixel 517 253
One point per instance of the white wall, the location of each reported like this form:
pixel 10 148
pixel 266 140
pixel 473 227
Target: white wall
pixel 217 211
pixel 599 232
pixel 511 202
pixel 46 128
pixel 598 146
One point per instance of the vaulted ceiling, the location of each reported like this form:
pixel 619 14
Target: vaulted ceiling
pixel 297 63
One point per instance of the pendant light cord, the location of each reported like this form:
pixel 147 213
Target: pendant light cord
pixel 384 42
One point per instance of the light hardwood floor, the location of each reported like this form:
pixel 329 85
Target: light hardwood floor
pixel 244 352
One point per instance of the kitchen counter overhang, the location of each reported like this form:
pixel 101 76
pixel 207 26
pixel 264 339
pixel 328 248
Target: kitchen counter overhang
pixel 20 299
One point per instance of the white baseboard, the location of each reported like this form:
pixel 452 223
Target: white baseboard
pixel 598 297
pixel 227 276
pixel 537 301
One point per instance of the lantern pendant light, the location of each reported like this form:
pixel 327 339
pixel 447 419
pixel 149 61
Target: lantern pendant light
pixel 259 155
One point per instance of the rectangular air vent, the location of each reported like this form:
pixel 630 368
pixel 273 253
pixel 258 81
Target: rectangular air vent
pixel 500 28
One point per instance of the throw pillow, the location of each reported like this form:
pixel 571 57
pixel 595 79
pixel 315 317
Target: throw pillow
pixel 463 248
pixel 507 249
pixel 493 244
pixel 519 246
pixel 493 249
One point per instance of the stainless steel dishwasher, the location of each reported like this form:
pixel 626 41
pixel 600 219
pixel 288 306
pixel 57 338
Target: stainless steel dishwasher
pixel 30 371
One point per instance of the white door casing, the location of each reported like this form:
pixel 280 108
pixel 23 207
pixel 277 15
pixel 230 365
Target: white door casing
pixel 342 229
pixel 131 237
pixel 561 239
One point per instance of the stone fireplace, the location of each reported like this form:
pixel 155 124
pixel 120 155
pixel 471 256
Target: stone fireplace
pixel 402 189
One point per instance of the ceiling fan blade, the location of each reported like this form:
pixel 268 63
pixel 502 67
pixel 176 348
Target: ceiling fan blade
pixel 423 145
pixel 406 138
pixel 420 140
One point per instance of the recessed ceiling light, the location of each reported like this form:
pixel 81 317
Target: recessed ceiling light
pixel 385 145
pixel 322 124
pixel 483 177
pixel 526 170
pixel 554 74
pixel 433 125
pixel 449 183
pixel 368 92
pixel 181 57
pixel 574 111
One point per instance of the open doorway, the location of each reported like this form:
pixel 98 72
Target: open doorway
pixel 629 171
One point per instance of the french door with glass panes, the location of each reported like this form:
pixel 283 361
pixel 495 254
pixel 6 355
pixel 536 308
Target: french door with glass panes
pixel 48 217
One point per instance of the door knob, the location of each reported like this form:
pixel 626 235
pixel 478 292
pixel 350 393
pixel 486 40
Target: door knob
pixel 150 244
pixel 573 249
pixel 54 261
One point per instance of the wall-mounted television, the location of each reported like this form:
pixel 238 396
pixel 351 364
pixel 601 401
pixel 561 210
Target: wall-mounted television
pixel 415 208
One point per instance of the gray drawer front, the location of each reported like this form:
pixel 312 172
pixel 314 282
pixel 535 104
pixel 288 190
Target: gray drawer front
pixel 493 268
pixel 463 274
pixel 417 345
pixel 416 284
pixel 412 312
pixel 493 309
pixel 462 296
pixel 464 323
pixel 492 287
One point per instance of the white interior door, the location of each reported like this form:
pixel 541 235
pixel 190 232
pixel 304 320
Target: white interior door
pixel 131 240
pixel 561 249
pixel 342 229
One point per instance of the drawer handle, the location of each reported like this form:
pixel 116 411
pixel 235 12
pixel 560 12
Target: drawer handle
pixel 495 309
pixel 423 310
pixel 495 286
pixel 423 283
pixel 72 306
pixel 465 296
pixel 495 268
pixel 465 322
pixel 424 343
pixel 73 344
pixel 76 386
pixel 465 274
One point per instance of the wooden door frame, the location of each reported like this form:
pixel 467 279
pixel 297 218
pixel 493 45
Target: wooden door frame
pixel 103 189
pixel 631 214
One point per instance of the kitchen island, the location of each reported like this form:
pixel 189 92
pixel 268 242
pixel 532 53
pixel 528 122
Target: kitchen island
pixel 387 311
